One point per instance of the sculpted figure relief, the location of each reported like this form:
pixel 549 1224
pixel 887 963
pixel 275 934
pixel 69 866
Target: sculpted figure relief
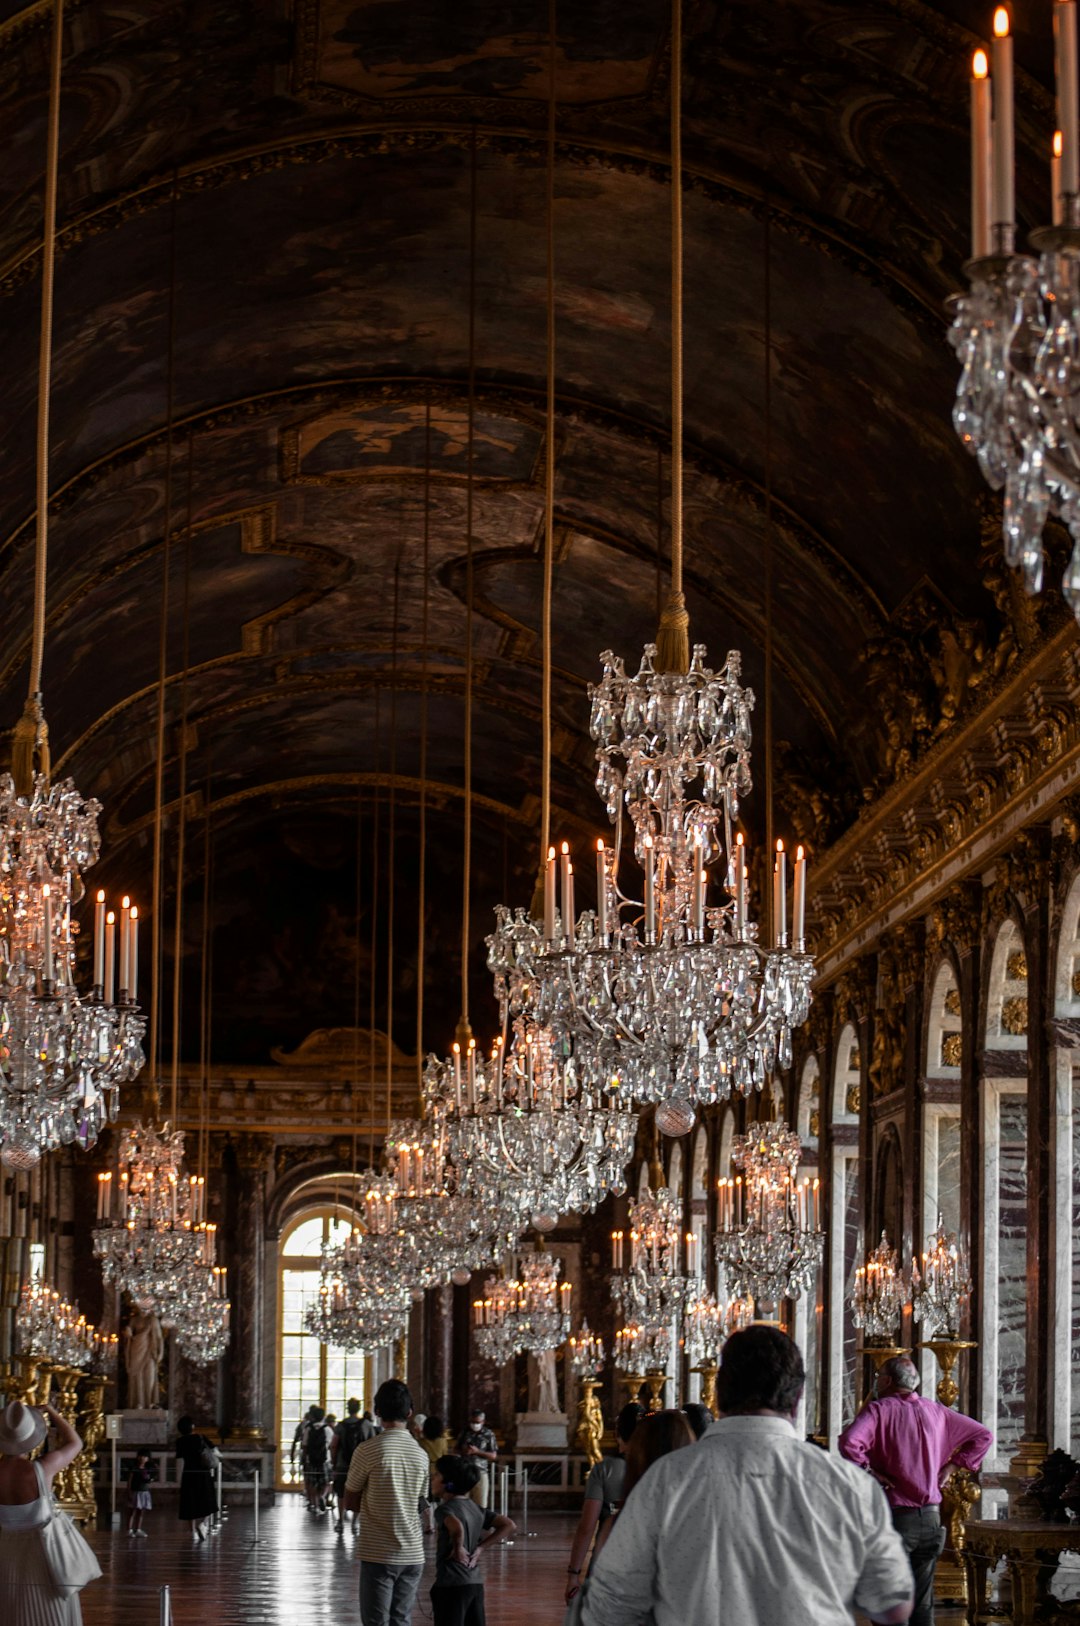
pixel 547 1398
pixel 144 1345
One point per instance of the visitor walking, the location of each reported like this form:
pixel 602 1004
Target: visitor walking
pixel 478 1444
pixel 753 1526
pixel 387 1477
pixel 26 1586
pixel 656 1436
pixel 603 1493
pixel 347 1436
pixel 698 1416
pixel 140 1479
pixel 315 1458
pixel 198 1493
pixel 457 1597
pixel 910 1444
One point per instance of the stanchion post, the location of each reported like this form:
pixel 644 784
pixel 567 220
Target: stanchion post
pixel 112 1494
pixel 256 1504
pixel 165 1607
pixel 220 1511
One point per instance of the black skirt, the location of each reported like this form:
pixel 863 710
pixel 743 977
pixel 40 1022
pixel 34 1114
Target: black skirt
pixel 198 1494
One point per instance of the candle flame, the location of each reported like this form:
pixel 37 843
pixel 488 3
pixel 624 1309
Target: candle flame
pixel 1001 23
pixel 101 897
pixel 1057 143
pixel 799 855
pixel 600 844
pixel 779 846
pixel 134 912
pixel 566 847
pixel 980 65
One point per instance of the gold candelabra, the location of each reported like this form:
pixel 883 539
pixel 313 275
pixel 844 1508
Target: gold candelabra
pixel 707 1373
pixel 946 1351
pixel 590 1423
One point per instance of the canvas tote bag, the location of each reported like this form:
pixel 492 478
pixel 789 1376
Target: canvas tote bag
pixel 68 1556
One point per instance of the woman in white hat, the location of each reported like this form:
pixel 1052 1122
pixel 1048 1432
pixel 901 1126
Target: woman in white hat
pixel 27 1594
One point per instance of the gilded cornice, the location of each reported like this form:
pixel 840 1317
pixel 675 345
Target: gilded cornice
pixel 1008 766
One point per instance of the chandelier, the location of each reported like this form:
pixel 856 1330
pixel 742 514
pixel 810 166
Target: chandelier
pixel 201 1318
pixel 439 1230
pixel 363 1301
pixel 877 1299
pixel 708 1323
pixel 941 1288
pixel 642 1349
pixel 527 1126
pixel 648 1282
pixel 51 1329
pixel 670 998
pixel 1016 332
pixel 588 1356
pixel 155 1231
pixel 768 1243
pixel 530 1312
pixel 63 1057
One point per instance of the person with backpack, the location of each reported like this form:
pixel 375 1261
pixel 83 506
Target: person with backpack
pixel 315 1458
pixel 347 1436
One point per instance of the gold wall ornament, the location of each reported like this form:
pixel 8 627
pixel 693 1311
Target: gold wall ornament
pixel 81 1503
pixel 853 1099
pixel 1016 966
pixel 952 1002
pixel 1014 1015
pixel 1076 983
pixel 952 1049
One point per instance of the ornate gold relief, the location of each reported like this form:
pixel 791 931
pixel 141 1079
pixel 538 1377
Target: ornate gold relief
pixel 1014 1015
pixel 1016 966
pixel 952 1049
pixel 952 1002
pixel 853 1099
pixel 1076 983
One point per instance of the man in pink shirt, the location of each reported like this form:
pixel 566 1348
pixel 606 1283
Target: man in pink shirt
pixel 910 1445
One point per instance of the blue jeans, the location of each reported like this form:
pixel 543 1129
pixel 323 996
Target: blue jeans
pixel 388 1592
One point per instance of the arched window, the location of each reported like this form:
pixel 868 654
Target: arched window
pixel 1003 1089
pixel 309 1374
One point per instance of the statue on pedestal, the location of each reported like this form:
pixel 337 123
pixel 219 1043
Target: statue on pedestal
pixel 547 1397
pixel 143 1345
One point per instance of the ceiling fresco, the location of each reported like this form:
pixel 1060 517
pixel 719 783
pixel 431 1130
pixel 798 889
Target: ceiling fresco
pixel 294 184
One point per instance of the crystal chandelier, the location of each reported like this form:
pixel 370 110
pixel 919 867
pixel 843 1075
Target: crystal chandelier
pixel 941 1288
pixel 877 1299
pixel 530 1312
pixel 51 1329
pixel 640 1349
pixel 63 1057
pixel 439 1231
pixel 1017 330
pixel 708 1323
pixel 768 1242
pixel 648 1282
pixel 155 1232
pixel 588 1356
pixel 202 1320
pixel 363 1300
pixel 549 1142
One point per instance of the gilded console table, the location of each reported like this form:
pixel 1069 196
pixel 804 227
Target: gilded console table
pixel 1031 1551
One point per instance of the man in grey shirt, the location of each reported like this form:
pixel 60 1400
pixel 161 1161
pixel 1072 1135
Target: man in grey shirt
pixel 752 1525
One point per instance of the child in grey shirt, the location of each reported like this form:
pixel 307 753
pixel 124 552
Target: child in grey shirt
pixel 457 1597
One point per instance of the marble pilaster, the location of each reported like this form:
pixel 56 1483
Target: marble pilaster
pixel 246 1278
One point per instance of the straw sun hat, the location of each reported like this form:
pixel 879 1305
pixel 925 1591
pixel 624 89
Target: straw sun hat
pixel 21 1428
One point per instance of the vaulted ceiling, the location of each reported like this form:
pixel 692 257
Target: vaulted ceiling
pixel 300 176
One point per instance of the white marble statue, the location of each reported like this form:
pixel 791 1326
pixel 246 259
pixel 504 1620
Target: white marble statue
pixel 144 1345
pixel 547 1398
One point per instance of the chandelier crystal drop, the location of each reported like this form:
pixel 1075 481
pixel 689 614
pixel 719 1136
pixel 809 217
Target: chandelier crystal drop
pixel 708 1323
pixel 1016 332
pixel 941 1286
pixel 63 1056
pixel 51 1329
pixel 671 998
pixel 151 1230
pixel 529 1312
pixel 878 1293
pixel 588 1357
pixel 642 1349
pixel 768 1244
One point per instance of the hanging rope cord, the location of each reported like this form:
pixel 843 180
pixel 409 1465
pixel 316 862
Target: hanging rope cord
pixel 390 854
pixel 374 930
pixel 549 453
pixel 30 742
pixel 157 883
pixel 206 983
pixel 421 923
pixel 770 730
pixel 464 1030
pixel 673 634
pixel 181 817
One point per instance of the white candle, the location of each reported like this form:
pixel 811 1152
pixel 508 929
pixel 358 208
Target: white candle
pixel 980 156
pixel 1057 207
pixel 549 896
pixel 650 893
pixel 125 944
pixel 471 1075
pixel 700 885
pixel 110 955
pixel 601 890
pixel 1003 180
pixel 780 923
pixel 798 925
pixel 47 925
pixel 569 911
pixel 457 1075
pixel 564 863
pixel 99 940
pixel 133 954
pixel 740 887
pixel 1068 109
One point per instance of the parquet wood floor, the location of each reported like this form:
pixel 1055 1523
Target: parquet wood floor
pixel 299 1574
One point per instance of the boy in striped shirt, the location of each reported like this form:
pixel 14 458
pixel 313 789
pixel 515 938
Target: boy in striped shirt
pixel 387 1478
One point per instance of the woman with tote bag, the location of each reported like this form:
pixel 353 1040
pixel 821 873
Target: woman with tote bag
pixel 43 1558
